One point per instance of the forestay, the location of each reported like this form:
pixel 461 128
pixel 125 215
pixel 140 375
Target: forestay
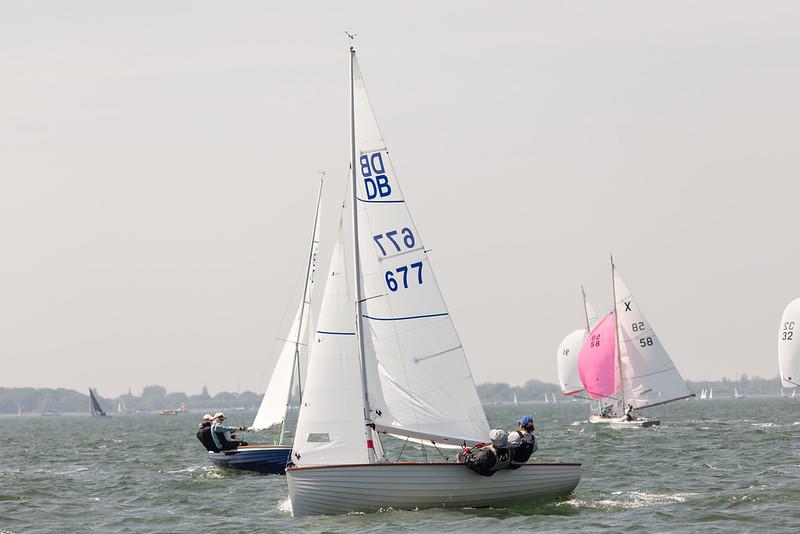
pixel 330 428
pixel 597 362
pixel 648 375
pixel 424 376
pixel 276 398
pixel 789 346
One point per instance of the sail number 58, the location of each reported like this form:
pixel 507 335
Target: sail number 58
pixel 393 283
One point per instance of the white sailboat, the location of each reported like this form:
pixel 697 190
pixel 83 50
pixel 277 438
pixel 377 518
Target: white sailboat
pixel 710 393
pixel 737 394
pixel 516 402
pixel 703 394
pixel 275 403
pixel 570 348
pixel 623 359
pixel 272 458
pixel 789 346
pixel 404 373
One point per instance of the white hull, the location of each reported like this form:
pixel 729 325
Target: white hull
pixel 621 422
pixel 364 488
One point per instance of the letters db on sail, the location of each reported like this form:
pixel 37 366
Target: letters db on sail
pixel 377 186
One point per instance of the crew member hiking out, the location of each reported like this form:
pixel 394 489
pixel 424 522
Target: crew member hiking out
pixel 485 459
pixel 522 442
pixel 204 434
pixel 222 434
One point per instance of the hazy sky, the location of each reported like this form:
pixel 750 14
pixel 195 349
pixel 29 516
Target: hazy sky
pixel 158 169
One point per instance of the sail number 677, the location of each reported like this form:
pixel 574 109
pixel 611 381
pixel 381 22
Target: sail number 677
pixel 404 240
pixel 393 282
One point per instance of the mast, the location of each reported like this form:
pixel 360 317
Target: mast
pixel 357 265
pixel 616 335
pixel 296 364
pixel 585 311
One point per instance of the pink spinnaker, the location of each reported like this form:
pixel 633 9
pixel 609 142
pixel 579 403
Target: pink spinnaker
pixel 597 361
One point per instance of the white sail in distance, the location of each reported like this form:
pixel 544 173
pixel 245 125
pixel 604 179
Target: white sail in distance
pixel 648 375
pixel 275 403
pixel 789 345
pixel 424 376
pixel 567 355
pixel 330 427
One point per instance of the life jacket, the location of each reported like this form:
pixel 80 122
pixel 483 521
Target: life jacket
pixel 522 448
pixel 482 460
pixel 204 435
pixel 503 458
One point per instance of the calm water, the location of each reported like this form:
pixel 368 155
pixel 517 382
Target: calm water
pixel 713 465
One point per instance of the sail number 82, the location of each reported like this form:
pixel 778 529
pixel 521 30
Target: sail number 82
pixel 393 277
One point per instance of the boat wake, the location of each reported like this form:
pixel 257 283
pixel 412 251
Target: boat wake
pixel 204 471
pixel 285 505
pixel 629 500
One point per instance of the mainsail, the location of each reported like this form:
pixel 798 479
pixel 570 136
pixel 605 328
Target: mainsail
pixel 330 427
pixel 276 398
pixel 97 410
pixel 648 375
pixel 426 385
pixel 597 365
pixel 789 346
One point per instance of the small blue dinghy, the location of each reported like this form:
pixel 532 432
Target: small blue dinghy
pixel 267 459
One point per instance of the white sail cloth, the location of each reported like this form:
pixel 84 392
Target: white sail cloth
pixel 648 375
pixel 276 398
pixel 567 355
pixel 789 345
pixel 425 381
pixel 330 428
pixel 275 402
pixel 567 362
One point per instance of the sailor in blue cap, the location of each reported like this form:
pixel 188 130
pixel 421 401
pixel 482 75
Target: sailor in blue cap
pixel 522 442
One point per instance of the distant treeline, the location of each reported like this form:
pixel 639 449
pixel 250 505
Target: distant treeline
pixel 155 398
pixel 534 390
pixel 152 399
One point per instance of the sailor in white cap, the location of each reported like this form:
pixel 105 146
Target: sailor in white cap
pixel 221 434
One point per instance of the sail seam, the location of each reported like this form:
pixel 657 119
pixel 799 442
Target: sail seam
pixel 380 201
pixel 336 333
pixel 405 318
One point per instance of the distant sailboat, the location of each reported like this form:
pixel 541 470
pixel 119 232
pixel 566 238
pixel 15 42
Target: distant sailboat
pixel 789 347
pixel 736 394
pixel 546 399
pixel 623 359
pixel 94 405
pixel 568 350
pixel 710 393
pixel 516 402
pixel 272 459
